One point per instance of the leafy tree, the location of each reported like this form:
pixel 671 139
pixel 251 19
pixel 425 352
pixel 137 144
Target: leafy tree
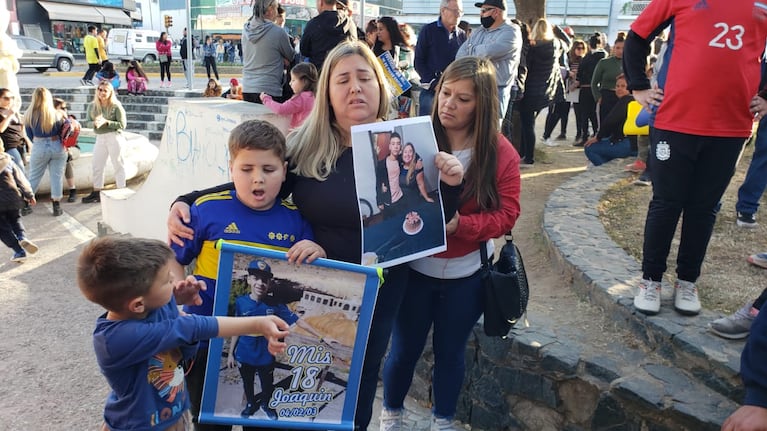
pixel 530 11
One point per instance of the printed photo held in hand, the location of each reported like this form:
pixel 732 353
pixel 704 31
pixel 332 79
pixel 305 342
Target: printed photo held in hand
pixel 398 190
pixel 328 305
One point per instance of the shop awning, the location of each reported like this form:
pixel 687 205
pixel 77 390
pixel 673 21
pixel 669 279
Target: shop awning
pixel 71 12
pixel 114 16
pixel 135 14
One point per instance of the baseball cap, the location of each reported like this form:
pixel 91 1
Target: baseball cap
pixel 259 267
pixel 500 4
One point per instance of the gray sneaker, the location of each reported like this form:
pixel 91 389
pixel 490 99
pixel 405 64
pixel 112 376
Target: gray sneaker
pixel 390 420
pixel 647 299
pixel 736 326
pixel 686 298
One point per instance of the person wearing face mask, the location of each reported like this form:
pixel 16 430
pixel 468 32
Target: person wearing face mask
pixel 499 42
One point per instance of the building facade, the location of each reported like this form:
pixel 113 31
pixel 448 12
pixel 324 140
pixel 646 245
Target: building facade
pixel 64 24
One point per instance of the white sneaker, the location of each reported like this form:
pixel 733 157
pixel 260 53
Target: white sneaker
pixel 686 298
pixel 444 424
pixel 29 246
pixel 390 420
pixel 549 143
pixel 647 300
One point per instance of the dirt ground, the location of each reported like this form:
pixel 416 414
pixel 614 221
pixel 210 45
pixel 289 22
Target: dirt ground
pixel 50 379
pixel 727 280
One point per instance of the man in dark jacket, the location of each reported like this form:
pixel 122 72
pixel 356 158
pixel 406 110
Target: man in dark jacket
pixel 326 30
pixel 438 42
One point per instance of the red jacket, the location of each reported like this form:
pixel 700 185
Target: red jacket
pixel 474 226
pixel 164 48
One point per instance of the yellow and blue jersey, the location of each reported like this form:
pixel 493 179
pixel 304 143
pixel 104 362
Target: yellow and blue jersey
pixel 221 215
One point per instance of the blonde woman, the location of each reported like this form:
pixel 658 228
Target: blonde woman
pixel 108 117
pixel 351 91
pixel 43 124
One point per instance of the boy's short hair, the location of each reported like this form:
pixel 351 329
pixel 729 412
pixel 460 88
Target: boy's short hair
pixel 112 270
pixel 256 135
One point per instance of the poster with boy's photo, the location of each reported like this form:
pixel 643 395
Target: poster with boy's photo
pixel 314 384
pixel 398 191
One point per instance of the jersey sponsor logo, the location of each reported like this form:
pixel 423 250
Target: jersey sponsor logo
pixel 701 5
pixel 663 151
pixel 232 228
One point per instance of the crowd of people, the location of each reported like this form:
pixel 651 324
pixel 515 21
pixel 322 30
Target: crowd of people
pixel 471 84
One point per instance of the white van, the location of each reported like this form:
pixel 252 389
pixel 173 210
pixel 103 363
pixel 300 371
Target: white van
pixel 132 44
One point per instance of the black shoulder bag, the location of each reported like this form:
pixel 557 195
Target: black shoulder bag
pixel 506 288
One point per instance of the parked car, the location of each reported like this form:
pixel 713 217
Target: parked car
pixel 132 44
pixel 41 56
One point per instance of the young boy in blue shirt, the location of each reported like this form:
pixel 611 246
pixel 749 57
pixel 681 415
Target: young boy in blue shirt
pixel 142 340
pixel 250 214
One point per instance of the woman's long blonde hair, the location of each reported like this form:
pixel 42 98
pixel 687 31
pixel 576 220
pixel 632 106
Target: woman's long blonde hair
pixel 99 108
pixel 314 147
pixel 542 31
pixel 41 112
pixel 480 174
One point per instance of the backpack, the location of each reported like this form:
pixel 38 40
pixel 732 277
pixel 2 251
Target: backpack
pixel 70 131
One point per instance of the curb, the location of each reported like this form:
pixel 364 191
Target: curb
pixel 606 275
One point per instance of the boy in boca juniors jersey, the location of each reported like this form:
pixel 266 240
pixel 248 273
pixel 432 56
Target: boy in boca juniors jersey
pixel 250 214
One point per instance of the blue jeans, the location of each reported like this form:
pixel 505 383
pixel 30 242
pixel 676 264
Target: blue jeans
pixel 387 305
pixel 753 186
pixel 48 152
pixel 16 156
pixel 424 102
pixel 452 307
pixel 11 229
pixel 603 150
pixel 503 98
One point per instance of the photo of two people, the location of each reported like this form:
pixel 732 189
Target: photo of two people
pixel 398 191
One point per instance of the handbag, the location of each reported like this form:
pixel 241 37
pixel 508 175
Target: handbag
pixel 506 290
pixel 163 58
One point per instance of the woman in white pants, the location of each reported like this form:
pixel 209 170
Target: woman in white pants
pixel 108 117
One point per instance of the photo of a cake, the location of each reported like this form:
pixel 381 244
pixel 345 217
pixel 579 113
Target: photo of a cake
pixel 413 223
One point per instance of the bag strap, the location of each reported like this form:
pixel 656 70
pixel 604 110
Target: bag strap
pixel 485 262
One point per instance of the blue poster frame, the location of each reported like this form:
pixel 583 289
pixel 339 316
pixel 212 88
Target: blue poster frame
pixel 220 308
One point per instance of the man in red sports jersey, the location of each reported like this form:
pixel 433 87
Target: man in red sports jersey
pixel 701 119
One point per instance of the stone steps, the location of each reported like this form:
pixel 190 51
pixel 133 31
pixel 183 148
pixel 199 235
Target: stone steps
pixel 146 114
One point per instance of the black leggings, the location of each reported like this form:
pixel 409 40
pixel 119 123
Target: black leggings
pixel 164 70
pixel 589 108
pixel 559 113
pixel 211 62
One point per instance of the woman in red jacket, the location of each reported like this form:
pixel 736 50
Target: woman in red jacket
pixel 445 290
pixel 163 46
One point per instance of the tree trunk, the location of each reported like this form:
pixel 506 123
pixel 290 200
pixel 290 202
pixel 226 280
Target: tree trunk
pixel 530 11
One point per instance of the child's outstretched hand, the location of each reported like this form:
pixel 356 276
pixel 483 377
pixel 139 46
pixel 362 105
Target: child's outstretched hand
pixel 305 251
pixel 187 291
pixel 275 330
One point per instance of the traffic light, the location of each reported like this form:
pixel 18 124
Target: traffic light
pixel 168 20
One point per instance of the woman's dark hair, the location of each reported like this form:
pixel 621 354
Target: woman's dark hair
pixel 595 41
pixel 621 37
pixel 136 66
pixel 108 69
pixel 371 26
pixel 394 32
pixel 308 73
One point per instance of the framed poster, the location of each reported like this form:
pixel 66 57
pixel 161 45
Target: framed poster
pixel 314 384
pixel 398 191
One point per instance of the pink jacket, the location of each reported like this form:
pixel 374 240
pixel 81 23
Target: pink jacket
pixel 164 48
pixel 298 107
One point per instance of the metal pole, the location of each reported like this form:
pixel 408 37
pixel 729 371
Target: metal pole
pixel 189 45
pixel 564 19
